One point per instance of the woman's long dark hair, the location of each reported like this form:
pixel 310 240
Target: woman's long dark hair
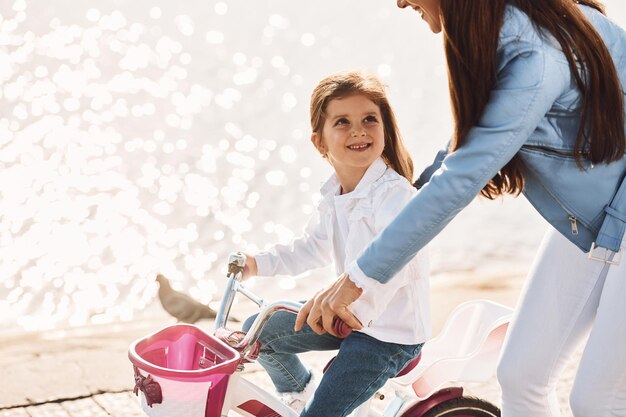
pixel 471 29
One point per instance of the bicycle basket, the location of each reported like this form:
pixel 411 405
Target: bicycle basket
pixel 182 371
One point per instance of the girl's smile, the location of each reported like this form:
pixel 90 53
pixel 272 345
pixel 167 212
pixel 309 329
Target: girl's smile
pixel 359 146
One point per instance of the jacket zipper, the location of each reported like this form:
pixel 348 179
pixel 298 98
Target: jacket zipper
pixel 549 150
pixel 572 220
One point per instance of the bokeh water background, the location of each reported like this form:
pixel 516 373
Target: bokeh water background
pixel 148 136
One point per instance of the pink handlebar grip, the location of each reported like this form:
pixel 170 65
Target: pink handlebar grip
pixel 341 328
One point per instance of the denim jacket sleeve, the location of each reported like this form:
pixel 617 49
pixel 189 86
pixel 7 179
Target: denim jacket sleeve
pixel 531 76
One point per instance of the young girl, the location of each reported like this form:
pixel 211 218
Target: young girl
pixel 354 129
pixel 537 90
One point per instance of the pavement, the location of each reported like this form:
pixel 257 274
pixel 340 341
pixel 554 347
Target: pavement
pixel 72 372
pixel 85 371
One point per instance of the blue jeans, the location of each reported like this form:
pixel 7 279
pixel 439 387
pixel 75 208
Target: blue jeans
pixel 362 365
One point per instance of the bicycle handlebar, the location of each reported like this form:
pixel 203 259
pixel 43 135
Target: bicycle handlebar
pixel 236 265
pixel 341 328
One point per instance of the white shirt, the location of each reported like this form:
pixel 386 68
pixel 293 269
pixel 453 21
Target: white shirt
pixel 341 229
pixel 398 311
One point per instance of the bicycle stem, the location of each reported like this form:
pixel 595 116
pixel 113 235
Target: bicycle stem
pixel 236 265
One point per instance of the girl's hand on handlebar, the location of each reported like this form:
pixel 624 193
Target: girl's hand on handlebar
pixel 250 269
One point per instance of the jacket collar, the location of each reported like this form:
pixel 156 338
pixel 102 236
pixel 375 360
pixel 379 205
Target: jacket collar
pixel 331 187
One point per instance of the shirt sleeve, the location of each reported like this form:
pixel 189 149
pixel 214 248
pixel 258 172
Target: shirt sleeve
pixel 530 78
pixel 311 250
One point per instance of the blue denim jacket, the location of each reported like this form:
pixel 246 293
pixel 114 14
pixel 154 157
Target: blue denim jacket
pixel 534 111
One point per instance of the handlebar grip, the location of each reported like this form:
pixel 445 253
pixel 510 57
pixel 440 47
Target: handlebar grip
pixel 236 263
pixel 341 328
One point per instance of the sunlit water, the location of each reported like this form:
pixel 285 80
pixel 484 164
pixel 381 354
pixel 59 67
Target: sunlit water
pixel 141 136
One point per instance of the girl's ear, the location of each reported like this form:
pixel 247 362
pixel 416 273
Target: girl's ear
pixel 316 140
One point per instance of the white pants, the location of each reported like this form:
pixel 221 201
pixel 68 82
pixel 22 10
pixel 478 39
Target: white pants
pixel 567 298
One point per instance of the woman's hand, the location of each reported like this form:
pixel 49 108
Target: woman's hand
pixel 250 269
pixel 321 310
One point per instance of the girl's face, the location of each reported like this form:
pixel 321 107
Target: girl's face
pixel 429 9
pixel 352 138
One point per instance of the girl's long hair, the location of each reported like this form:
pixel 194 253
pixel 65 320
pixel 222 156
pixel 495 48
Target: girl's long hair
pixel 344 84
pixel 471 29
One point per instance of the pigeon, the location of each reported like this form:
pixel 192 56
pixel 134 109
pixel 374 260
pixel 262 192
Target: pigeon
pixel 180 305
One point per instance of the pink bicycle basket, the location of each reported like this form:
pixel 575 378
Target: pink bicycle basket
pixel 182 371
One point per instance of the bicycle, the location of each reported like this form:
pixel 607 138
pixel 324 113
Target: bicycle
pixel 183 371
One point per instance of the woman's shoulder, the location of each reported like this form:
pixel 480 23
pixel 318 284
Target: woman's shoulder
pixel 611 32
pixel 518 25
pixel 519 36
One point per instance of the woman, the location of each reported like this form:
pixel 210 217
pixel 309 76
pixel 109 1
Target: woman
pixel 537 92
